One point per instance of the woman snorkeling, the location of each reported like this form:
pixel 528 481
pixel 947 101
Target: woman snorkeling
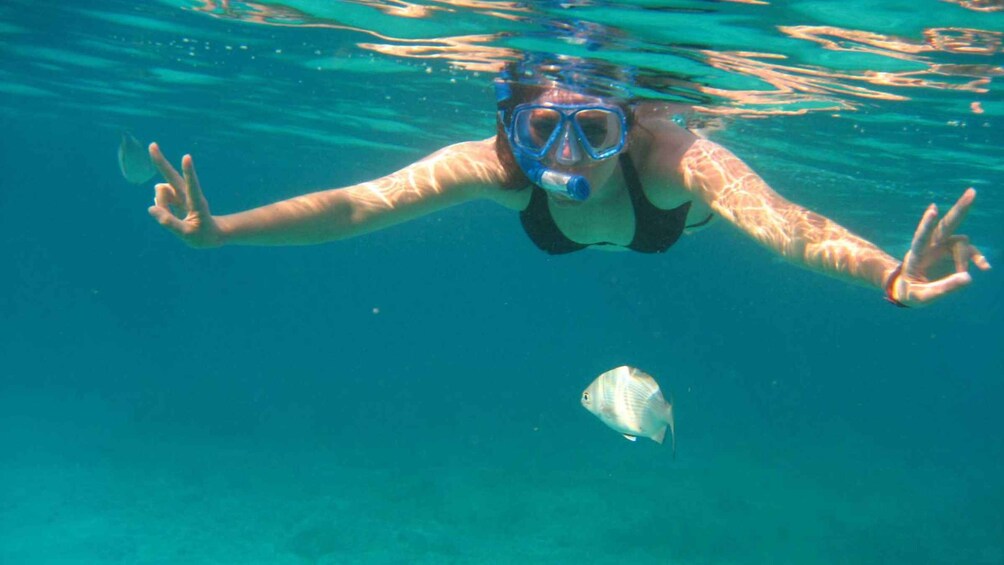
pixel 586 170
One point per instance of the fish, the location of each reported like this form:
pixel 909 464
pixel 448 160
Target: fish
pixel 629 401
pixel 134 160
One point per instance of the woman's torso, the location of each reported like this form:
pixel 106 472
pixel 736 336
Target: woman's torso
pixel 655 148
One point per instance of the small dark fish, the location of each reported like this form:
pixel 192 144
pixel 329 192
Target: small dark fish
pixel 134 160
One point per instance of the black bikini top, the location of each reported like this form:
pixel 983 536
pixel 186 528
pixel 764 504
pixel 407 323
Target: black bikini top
pixel 655 230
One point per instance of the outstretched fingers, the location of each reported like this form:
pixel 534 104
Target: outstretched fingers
pixel 932 241
pixel 942 287
pixel 921 240
pixel 166 169
pixel 179 205
pixel 196 201
pixel 953 219
pixel 979 259
pixel 963 252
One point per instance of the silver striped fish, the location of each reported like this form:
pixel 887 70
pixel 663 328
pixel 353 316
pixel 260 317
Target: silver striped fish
pixel 630 402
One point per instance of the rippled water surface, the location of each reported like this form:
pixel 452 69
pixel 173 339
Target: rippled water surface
pixel 910 84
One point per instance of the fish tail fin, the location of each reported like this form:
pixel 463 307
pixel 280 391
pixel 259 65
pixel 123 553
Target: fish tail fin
pixel 672 423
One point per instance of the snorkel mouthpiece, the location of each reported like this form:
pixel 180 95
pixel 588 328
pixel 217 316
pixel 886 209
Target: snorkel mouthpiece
pixel 575 187
pixel 572 186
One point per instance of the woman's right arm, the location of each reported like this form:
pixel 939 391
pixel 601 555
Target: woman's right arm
pixel 453 175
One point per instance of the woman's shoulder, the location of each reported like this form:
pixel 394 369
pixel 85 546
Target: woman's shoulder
pixel 657 123
pixel 657 146
pixel 477 163
pixel 657 142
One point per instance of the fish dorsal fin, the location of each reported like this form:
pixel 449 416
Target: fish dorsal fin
pixel 630 437
pixel 643 376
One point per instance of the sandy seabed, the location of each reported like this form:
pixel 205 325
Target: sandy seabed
pixel 153 500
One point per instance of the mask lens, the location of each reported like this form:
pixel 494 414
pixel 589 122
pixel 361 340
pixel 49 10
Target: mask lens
pixel 601 129
pixel 534 128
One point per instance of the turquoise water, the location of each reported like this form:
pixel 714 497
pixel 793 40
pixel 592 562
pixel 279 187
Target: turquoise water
pixel 411 396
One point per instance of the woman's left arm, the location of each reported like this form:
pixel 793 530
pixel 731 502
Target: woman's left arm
pixel 937 263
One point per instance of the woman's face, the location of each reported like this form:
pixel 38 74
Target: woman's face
pixel 568 155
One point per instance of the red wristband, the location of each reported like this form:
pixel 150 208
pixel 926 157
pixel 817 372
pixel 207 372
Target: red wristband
pixel 888 286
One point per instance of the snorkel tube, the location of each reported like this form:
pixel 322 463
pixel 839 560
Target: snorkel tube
pixel 575 187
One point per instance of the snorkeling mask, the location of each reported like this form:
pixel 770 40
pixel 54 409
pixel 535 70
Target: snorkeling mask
pixel 534 129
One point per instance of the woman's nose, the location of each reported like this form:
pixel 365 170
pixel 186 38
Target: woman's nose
pixel 568 152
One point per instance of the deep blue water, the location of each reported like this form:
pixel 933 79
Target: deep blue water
pixel 411 396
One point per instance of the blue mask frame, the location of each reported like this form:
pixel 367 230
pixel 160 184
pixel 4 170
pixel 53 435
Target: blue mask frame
pixel 568 113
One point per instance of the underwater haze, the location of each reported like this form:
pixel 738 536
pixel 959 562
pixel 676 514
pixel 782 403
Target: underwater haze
pixel 412 396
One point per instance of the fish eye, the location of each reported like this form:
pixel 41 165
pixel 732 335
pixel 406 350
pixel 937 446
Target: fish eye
pixel 585 396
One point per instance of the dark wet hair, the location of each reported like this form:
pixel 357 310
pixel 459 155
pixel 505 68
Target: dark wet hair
pixel 519 93
pixel 524 81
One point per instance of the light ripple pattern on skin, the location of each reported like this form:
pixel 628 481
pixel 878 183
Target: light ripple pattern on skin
pixel 416 190
pixel 773 221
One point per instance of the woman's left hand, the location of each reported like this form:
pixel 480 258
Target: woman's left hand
pixel 938 261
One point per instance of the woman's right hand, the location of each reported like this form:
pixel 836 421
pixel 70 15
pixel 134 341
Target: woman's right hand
pixel 179 205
